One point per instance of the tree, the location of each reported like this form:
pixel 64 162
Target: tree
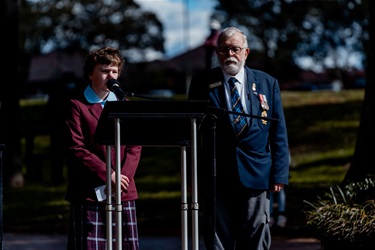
pixel 9 96
pixel 89 24
pixel 363 164
pixel 285 31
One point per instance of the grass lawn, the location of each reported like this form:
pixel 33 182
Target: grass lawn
pixel 322 128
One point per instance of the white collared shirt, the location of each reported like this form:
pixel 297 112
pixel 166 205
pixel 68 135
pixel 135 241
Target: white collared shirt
pixel 92 97
pixel 241 87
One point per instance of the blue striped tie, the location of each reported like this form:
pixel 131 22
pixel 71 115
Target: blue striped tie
pixel 238 120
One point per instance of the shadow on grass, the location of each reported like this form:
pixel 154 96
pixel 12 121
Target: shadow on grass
pixel 333 161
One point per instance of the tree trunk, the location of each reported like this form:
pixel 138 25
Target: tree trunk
pixel 363 163
pixel 10 95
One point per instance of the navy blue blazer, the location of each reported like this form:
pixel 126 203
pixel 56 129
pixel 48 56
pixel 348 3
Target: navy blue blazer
pixel 260 156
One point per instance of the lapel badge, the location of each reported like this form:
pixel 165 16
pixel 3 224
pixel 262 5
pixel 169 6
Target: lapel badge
pixel 214 85
pixel 254 87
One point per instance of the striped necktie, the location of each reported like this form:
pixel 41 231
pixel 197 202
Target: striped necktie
pixel 238 120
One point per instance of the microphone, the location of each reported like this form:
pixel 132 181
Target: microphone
pixel 114 86
pixel 141 96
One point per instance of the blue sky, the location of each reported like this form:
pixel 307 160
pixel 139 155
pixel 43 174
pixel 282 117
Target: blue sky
pixel 186 22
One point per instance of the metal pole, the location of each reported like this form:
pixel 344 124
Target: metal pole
pixel 188 62
pixel 118 206
pixel 184 205
pixel 194 188
pixel 109 199
pixel 2 147
pixel 213 185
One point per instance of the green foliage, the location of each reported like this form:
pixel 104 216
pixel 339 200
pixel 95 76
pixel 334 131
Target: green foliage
pixel 344 218
pixel 87 24
pixel 35 208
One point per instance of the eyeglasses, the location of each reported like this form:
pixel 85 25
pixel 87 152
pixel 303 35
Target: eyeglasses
pixel 225 50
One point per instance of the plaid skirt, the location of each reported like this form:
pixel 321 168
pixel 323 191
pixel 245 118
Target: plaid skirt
pixel 88 230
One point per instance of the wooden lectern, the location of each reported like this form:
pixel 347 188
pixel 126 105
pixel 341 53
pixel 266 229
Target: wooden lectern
pixel 154 123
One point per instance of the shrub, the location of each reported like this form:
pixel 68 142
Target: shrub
pixel 344 218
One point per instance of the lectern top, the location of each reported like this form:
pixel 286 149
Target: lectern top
pixel 155 108
pixel 163 122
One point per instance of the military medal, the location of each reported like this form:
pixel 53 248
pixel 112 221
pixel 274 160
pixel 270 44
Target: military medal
pixel 263 102
pixel 264 114
pixel 265 107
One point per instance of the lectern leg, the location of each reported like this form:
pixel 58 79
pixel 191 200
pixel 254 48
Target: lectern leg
pixel 109 200
pixel 184 205
pixel 194 188
pixel 118 207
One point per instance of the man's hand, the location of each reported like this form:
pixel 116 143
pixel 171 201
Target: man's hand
pixel 277 187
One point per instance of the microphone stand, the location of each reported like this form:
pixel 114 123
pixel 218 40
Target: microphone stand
pixel 221 111
pixel 141 96
pixel 213 179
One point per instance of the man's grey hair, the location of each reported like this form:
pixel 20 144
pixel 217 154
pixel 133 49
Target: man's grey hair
pixel 230 31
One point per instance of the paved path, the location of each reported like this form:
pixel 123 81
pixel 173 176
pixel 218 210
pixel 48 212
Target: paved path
pixel 13 241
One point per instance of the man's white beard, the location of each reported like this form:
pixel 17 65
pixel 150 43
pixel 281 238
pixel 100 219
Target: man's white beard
pixel 232 69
